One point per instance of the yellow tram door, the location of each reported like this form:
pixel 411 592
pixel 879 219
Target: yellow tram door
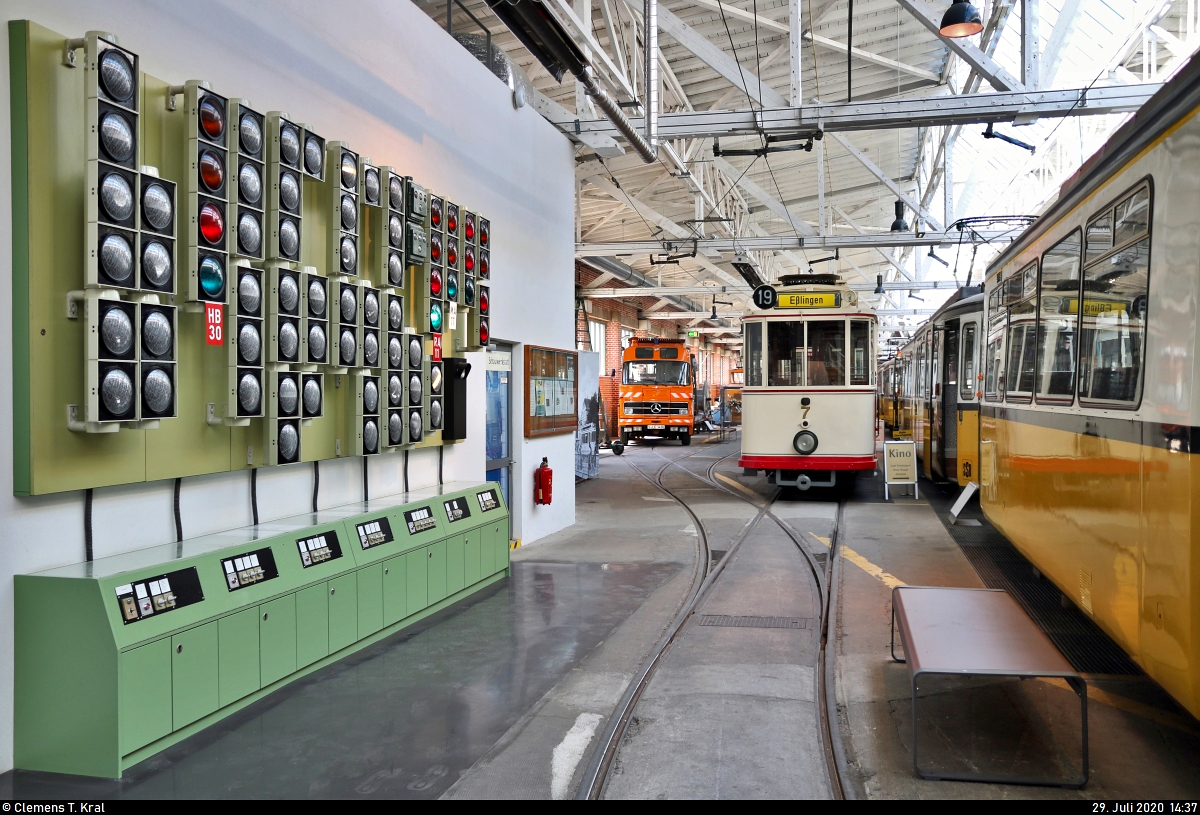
pixel 970 391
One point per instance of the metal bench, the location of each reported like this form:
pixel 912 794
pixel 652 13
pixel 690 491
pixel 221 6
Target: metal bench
pixel 977 632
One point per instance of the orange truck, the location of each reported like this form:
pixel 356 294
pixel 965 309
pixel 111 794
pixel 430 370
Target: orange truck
pixel 656 392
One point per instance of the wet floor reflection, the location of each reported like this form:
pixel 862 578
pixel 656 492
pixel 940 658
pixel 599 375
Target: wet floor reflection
pixel 403 718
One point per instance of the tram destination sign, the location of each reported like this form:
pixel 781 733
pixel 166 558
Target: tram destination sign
pixel 810 299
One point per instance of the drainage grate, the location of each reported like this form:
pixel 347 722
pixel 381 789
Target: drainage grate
pixel 726 621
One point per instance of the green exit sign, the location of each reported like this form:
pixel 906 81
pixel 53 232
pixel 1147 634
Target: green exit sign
pixel 693 333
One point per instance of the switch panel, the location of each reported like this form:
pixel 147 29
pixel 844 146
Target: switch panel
pixel 420 520
pixel 246 570
pixel 488 501
pixel 457 509
pixel 373 533
pixel 319 548
pixel 158 595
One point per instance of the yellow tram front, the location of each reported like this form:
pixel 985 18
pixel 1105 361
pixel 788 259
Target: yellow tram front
pixel 808 405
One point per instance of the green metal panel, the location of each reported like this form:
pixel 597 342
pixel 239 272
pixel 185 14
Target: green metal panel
pixel 417 565
pixel 194 683
pixel 395 590
pixel 437 572
pixel 456 562
pixel 501 541
pixel 487 551
pixel 370 599
pixel 343 612
pixel 277 638
pixel 312 624
pixel 145 702
pixel 237 659
pixel 472 571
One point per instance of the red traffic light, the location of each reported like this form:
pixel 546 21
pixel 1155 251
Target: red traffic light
pixel 469 225
pixel 484 266
pixel 212 223
pixel 212 171
pixel 485 232
pixel 435 213
pixel 435 282
pixel 469 258
pixel 435 248
pixel 483 301
pixel 451 219
pixel 212 119
pixel 483 332
pixel 452 253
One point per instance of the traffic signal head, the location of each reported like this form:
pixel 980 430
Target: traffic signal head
pixel 436 251
pixel 208 189
pixel 314 155
pixel 367 415
pixel 248 202
pixel 470 235
pixel 395 226
pixel 283 315
pixel 312 395
pixel 434 387
pixel 485 233
pixel 344 189
pixel 284 196
pixel 284 413
pixel 437 214
pixel 316 310
pixel 371 317
pixel 245 340
pixel 158 357
pixel 452 220
pixel 157 266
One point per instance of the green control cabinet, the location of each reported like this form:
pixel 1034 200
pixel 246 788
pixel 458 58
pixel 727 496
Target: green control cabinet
pixel 119 658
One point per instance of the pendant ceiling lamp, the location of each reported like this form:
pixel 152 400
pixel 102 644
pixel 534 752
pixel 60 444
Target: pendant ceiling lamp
pixel 961 20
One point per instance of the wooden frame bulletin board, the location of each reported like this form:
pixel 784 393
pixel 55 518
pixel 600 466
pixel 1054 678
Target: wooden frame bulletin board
pixel 551 391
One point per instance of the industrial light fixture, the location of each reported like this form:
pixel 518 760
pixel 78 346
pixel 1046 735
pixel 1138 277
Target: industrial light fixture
pixel 714 307
pixel 879 284
pixel 899 225
pixel 961 20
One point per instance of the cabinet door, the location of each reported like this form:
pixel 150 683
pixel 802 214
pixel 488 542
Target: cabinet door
pixel 277 638
pixel 370 600
pixel 487 552
pixel 437 572
pixel 343 612
pixel 417 565
pixel 195 690
pixel 237 658
pixel 395 590
pixel 471 556
pixel 500 541
pixel 456 564
pixel 312 624
pixel 145 695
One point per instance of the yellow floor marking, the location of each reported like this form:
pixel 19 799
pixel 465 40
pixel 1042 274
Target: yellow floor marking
pixel 891 581
pixel 712 440
pixel 1163 717
pixel 738 486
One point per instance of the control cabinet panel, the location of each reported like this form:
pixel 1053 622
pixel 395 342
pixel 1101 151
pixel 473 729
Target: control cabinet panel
pixel 457 509
pixel 319 548
pixel 158 595
pixel 374 533
pixel 420 520
pixel 250 568
pixel 488 500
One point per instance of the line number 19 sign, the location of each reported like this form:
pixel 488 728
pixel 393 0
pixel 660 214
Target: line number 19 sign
pixel 214 324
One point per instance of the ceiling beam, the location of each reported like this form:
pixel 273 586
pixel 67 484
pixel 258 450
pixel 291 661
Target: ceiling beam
pixel 912 203
pixel 984 65
pixel 780 243
pixel 608 69
pixel 762 196
pixel 874 59
pixel 745 291
pixel 749 16
pixel 862 234
pixel 650 214
pixel 556 114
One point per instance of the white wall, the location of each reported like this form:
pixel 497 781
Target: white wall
pixel 384 77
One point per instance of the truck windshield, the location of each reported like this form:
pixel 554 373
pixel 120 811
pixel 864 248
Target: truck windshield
pixel 656 373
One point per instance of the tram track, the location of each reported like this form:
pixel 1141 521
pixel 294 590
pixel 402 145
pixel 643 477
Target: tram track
pixel 705 577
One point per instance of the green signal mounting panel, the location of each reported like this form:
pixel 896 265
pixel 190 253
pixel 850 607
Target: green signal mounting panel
pixel 119 658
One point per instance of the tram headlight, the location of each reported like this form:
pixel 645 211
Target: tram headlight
pixel 805 442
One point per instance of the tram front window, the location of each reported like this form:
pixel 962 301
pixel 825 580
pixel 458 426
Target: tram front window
pixel 785 353
pixel 656 373
pixel 820 362
pixel 860 344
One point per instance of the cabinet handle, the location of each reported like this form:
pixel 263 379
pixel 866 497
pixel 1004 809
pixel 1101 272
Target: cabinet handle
pixel 431 554
pixel 385 571
pixel 264 615
pixel 333 591
pixel 179 649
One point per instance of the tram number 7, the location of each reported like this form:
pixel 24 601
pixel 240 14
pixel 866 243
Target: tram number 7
pixel 804 411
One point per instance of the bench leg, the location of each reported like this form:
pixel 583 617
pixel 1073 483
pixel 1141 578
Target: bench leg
pixel 893 643
pixel 1080 688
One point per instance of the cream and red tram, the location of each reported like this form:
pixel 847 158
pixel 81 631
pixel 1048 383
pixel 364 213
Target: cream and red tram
pixel 808 404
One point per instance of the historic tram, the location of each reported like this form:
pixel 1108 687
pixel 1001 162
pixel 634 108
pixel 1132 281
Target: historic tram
pixel 1089 400
pixel 808 404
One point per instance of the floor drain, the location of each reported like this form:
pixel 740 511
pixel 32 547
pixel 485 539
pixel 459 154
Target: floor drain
pixel 726 621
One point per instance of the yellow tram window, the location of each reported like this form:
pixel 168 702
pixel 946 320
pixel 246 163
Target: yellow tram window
pixel 1113 330
pixel 1099 236
pixel 1021 336
pixel 1133 216
pixel 752 336
pixel 967 364
pixel 1057 318
pixel 860 349
pixel 994 381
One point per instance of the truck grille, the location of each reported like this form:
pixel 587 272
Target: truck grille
pixel 649 408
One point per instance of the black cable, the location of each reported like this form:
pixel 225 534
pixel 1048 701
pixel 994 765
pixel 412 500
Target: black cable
pixel 316 482
pixel 406 471
pixel 87 524
pixel 440 451
pixel 366 489
pixel 254 494
pixel 178 516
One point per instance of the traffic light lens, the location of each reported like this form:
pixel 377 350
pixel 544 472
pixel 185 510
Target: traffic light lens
pixel 289 145
pixel 483 262
pixel 469 259
pixel 289 442
pixel 395 353
pixel 371 349
pixel 249 293
pixel 370 396
pixel 116 332
pixel 396 192
pixel 346 344
pixel 452 285
pixel 288 394
pixel 250 183
pixel 116 258
pixel 212 171
pixel 451 221
pixel 116 76
pixel 349 171
pixel 250 347
pixel 435 414
pixel 469 227
pixel 156 334
pixel 289 341
pixel 249 233
pixel 157 390
pixel 395 316
pixel 435 317
pixel 485 233
pixel 415 352
pixel 251 134
pixel 395 428
pixel 212 276
pixel 156 263
pixel 451 254
pixel 316 299
pixel 395 231
pixel 469 291
pixel 212 119
pixel 483 301
pixel 349 212
pixel 289 192
pixel 117 197
pixel 435 282
pixel 349 305
pixel 289 238
pixel 435 379
pixel 156 205
pixel 395 389
pixel 117 392
pixel 212 223
pixel 395 269
pixel 435 248
pixel 289 293
pixel 483 331
pixel 312 396
pixel 312 156
pixel 372 186
pixel 349 254
pixel 370 436
pixel 435 214
pixel 371 308
pixel 117 136
pixel 414 426
pixel 415 389
pixel 316 342
pixel 249 393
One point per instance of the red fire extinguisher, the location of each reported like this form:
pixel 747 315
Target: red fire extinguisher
pixel 543 483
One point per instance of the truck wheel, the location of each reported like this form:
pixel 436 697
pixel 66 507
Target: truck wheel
pixel 618 448
pixel 685 439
